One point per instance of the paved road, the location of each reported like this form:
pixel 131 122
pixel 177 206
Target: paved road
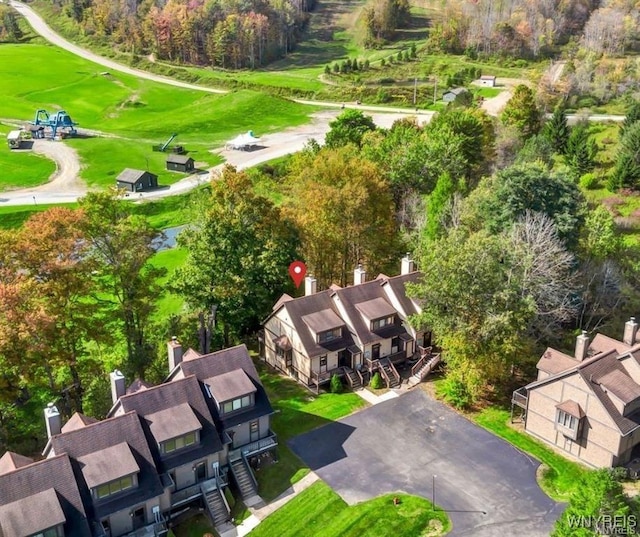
pixel 488 486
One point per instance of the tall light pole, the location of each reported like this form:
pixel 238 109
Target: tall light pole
pixel 433 492
pixel 415 90
pixel 435 88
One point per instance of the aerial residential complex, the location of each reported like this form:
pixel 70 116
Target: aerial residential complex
pixel 160 449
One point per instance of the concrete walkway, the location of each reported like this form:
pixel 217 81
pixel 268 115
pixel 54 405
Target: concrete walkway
pixel 374 399
pixel 259 514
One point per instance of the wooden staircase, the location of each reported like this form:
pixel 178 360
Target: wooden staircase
pixel 217 506
pixel 389 373
pixel 354 378
pixel 244 478
pixel 424 366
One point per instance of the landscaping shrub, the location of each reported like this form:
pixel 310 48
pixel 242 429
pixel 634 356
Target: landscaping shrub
pixel 454 392
pixel 336 384
pixel 589 181
pixel 376 381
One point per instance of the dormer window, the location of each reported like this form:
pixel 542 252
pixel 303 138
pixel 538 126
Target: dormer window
pixel 233 391
pixel 180 442
pixel 237 404
pixel 329 335
pixel 110 471
pixel 381 323
pixel 114 487
pixel 175 428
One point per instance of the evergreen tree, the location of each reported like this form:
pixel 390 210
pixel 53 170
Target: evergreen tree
pixel 556 130
pixel 627 170
pixel 413 50
pixel 522 112
pixel 327 70
pixel 336 68
pixel 383 62
pixel 399 56
pixel 633 115
pixel 581 151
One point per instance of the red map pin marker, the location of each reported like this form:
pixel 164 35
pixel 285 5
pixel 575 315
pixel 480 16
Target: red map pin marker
pixel 297 270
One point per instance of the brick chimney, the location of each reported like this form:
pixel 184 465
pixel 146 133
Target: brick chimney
pixel 53 420
pixel 118 388
pixel 359 275
pixel 407 266
pixel 174 350
pixel 630 331
pixel 582 346
pixel 310 285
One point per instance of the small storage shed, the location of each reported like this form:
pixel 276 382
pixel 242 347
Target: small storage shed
pixel 180 163
pixel 136 180
pixel 450 95
pixel 14 139
pixel 488 81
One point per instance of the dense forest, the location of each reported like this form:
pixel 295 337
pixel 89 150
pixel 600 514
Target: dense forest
pixel 221 33
pixel 533 28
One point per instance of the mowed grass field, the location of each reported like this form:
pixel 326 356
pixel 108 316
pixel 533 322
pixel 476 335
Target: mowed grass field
pixel 320 511
pixel 133 114
pixel 20 168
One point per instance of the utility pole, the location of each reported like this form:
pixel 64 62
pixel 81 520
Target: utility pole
pixel 435 89
pixel 415 90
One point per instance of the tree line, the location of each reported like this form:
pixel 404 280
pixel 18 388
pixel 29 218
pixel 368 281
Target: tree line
pixel 222 33
pixel 524 28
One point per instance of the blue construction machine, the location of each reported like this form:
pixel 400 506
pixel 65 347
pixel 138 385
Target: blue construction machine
pixel 56 121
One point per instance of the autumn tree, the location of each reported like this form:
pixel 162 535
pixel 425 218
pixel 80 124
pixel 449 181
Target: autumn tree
pixel 120 244
pixel 522 112
pixel 344 210
pixel 239 251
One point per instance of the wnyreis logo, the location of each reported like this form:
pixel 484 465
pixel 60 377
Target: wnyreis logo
pixel 606 524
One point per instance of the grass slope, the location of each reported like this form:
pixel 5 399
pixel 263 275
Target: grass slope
pixel 320 511
pixel 297 411
pixel 12 217
pixel 19 168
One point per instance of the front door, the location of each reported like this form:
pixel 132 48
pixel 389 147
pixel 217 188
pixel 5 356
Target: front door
pixel 344 359
pixel 201 472
pixel 375 352
pixel 138 518
pixel 254 431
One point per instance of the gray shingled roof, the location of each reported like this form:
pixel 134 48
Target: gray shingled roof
pixel 553 361
pixel 129 175
pixel 376 308
pixel 230 385
pixel 323 320
pixel 299 308
pixel 77 421
pixel 360 294
pixel 169 396
pixel 620 384
pixel 28 481
pixel 221 362
pixel 108 464
pixel 178 159
pixel 173 422
pixel 96 438
pixel 398 286
pixel 572 408
pixel 12 461
pixel 24 517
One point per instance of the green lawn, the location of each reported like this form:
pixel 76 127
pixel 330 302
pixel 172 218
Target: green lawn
pixel 561 476
pixel 318 511
pixel 19 168
pixel 168 303
pixel 197 526
pixel 297 411
pixel 104 158
pixel 13 216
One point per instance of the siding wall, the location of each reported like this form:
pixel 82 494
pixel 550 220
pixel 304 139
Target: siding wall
pixel 242 431
pixel 599 443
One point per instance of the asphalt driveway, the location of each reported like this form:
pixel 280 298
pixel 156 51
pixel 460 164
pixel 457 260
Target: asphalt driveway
pixel 487 486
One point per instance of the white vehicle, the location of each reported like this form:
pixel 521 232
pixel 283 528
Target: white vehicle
pixel 14 139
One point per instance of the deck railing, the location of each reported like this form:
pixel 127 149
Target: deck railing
pixel 252 448
pixel 418 366
pixel 520 397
